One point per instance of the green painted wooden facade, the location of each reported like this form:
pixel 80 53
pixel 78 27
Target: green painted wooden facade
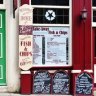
pixel 2 47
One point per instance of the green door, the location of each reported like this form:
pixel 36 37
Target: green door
pixel 2 48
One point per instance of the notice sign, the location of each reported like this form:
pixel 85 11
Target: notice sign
pixel 25 15
pixel 25 51
pixel 84 84
pixel 25 37
pixel 61 82
pixel 42 82
pixel 50 46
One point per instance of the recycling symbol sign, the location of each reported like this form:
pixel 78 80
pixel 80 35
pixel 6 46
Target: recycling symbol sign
pixel 50 15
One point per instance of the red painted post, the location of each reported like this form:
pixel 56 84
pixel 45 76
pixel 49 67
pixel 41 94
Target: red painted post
pixel 88 27
pixel 81 36
pixel 24 2
pixel 25 82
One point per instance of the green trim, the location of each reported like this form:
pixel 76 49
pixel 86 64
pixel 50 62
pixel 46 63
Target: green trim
pixel 3 48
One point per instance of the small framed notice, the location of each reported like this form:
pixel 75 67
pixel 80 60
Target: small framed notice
pixel 42 82
pixel 61 83
pixel 84 84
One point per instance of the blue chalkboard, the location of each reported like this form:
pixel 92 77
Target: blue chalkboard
pixel 42 82
pixel 61 83
pixel 84 84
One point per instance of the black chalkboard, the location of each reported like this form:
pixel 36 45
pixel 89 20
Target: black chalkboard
pixel 84 84
pixel 41 82
pixel 61 83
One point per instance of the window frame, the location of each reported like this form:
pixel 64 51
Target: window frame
pixel 57 25
pixel 55 7
pixel 51 5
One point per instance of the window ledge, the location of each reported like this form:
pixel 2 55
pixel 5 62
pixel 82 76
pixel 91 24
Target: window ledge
pixel 2 6
pixel 93 24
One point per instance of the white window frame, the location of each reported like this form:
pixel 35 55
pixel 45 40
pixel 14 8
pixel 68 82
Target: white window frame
pixel 68 25
pixel 3 6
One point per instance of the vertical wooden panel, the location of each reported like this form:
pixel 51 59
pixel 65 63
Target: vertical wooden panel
pixel 88 35
pixel 78 50
pixel 25 82
pixel 2 47
pixel 81 35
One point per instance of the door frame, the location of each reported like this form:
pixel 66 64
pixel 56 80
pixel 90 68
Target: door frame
pixel 3 88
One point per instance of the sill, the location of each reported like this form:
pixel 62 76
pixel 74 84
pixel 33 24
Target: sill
pixel 93 24
pixel 3 89
pixel 2 6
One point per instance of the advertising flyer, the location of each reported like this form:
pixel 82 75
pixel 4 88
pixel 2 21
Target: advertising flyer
pixel 50 46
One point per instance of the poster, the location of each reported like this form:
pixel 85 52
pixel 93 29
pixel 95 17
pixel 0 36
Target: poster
pixel 25 51
pixel 50 46
pixel 25 15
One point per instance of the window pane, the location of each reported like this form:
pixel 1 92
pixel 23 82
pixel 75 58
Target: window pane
pixel 94 2
pixel 95 44
pixel 51 16
pixel 94 15
pixel 66 20
pixel 1 1
pixel 51 2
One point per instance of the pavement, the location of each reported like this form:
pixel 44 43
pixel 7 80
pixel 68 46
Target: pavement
pixel 13 94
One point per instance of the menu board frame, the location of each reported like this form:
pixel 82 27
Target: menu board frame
pixel 92 83
pixel 70 49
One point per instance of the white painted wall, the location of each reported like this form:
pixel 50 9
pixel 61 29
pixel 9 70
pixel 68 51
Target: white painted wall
pixel 13 71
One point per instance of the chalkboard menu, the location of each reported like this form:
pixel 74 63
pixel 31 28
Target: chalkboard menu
pixel 84 84
pixel 61 82
pixel 41 82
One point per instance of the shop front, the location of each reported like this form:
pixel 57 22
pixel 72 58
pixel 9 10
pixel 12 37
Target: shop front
pixel 55 50
pixel 56 42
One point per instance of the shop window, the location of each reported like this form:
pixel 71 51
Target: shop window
pixel 52 16
pixel 1 1
pixel 94 15
pixel 52 33
pixel 94 3
pixel 95 43
pixel 51 2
